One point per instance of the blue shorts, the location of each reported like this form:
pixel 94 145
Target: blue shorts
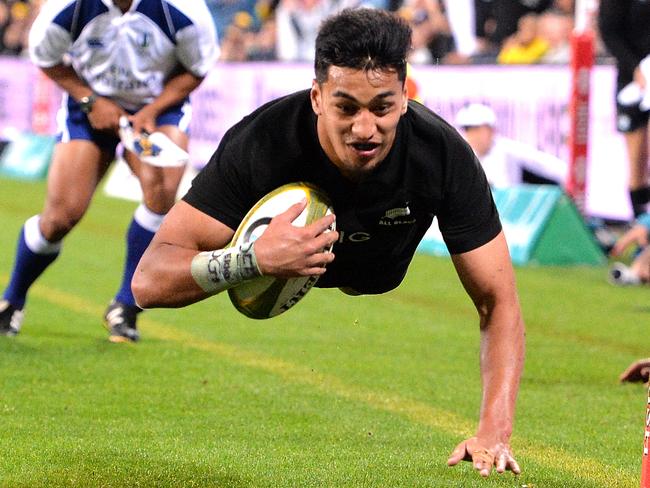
pixel 73 124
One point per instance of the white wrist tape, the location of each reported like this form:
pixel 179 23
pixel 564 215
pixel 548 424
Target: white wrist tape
pixel 216 271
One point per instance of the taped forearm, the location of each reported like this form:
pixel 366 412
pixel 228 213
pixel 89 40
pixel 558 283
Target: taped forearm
pixel 216 271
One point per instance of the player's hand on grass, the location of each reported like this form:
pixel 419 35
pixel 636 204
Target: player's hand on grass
pixel 637 371
pixel 636 235
pixel 105 114
pixel 484 456
pixel 285 250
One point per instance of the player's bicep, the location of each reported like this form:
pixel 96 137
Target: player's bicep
pixel 487 274
pixel 189 228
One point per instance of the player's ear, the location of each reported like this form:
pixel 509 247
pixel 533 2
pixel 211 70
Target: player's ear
pixel 315 95
pixel 405 99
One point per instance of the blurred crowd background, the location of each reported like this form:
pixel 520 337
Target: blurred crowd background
pixel 444 31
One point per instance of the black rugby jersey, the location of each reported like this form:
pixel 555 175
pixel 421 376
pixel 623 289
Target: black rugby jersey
pixel 429 171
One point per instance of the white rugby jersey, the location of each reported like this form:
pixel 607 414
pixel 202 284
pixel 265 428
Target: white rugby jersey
pixel 127 57
pixel 504 162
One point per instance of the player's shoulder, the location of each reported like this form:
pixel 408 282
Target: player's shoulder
pixel 54 22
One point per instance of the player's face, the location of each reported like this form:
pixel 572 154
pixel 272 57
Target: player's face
pixel 358 112
pixel 123 5
pixel 480 138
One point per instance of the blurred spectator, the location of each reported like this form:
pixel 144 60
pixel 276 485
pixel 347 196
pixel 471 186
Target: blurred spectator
pixel 432 38
pixel 484 26
pixel 525 46
pixel 506 162
pixel 508 12
pixel 262 44
pixel 237 37
pixel 242 43
pixel 462 22
pixel 565 7
pixel 4 19
pixel 497 20
pixel 224 13
pixel 15 20
pixel 555 27
pixel 445 31
pixel 297 23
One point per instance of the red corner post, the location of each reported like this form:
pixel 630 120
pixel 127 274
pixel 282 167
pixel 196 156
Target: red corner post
pixel 645 463
pixel 582 61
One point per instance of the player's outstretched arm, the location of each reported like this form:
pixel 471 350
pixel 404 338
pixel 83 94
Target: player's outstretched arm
pixel 488 277
pixel 163 277
pixel 189 258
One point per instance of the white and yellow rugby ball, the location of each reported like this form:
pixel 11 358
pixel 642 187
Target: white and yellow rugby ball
pixel 268 296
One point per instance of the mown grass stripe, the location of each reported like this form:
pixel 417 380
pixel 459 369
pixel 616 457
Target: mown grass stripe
pixel 552 458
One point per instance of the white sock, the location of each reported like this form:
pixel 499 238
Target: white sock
pixel 148 219
pixel 35 240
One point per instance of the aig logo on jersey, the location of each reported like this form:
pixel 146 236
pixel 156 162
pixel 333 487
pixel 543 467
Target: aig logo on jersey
pixel 397 216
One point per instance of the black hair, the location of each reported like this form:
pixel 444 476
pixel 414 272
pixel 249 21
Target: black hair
pixel 365 39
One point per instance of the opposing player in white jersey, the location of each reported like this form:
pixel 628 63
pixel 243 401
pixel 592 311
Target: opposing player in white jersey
pixel 139 58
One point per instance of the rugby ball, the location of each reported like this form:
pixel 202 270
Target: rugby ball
pixel 268 296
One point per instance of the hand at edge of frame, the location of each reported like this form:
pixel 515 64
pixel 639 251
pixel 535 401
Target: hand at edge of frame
pixel 637 371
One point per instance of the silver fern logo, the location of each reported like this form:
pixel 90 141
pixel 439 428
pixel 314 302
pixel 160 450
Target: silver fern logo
pixel 397 216
pixel 397 212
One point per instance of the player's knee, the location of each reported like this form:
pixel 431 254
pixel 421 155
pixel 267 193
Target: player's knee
pixel 159 203
pixel 56 225
pixel 160 196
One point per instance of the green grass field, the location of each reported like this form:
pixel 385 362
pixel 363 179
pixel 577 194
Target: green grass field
pixel 339 392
